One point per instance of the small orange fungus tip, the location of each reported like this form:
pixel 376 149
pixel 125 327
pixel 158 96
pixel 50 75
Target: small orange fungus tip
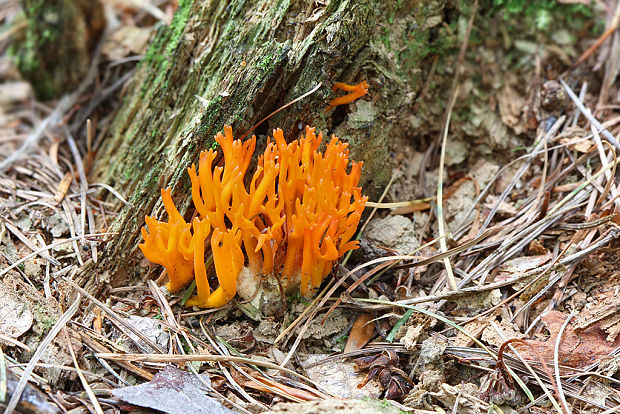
pixel 356 91
pixel 292 219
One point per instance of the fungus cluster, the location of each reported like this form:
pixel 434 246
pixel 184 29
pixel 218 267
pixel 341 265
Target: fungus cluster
pixel 295 219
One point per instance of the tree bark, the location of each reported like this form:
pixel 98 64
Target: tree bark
pixel 245 59
pixel 53 52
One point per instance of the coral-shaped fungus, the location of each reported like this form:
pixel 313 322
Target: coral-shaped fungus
pixel 295 220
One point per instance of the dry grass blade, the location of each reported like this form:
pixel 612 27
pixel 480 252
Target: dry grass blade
pixel 83 182
pixel 440 218
pixel 568 261
pixel 3 377
pixel 166 311
pixel 46 248
pixel 87 388
pixel 28 243
pixel 583 185
pixel 538 149
pixel 610 30
pixel 584 111
pixel 392 261
pixel 113 192
pixel 198 358
pixel 121 323
pixel 400 204
pixel 96 346
pixel 610 186
pixel 310 92
pixel 12 341
pixel 293 394
pixel 225 371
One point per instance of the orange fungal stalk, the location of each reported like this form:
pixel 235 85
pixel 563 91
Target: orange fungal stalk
pixel 295 219
pixel 357 91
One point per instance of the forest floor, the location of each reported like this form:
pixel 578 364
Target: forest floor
pixel 510 306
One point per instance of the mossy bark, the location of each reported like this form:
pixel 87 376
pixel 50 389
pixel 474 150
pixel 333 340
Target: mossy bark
pixel 245 59
pixel 53 52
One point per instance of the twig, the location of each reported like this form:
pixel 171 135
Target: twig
pixel 310 92
pixel 572 259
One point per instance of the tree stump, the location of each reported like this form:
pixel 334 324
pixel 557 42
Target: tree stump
pixel 53 52
pixel 233 63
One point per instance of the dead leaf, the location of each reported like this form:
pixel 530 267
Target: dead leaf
pixel 514 267
pixel 578 145
pixel 504 209
pixel 14 93
pixel 511 104
pixel 173 391
pixel 579 348
pixel 125 41
pixel 361 333
pixel 475 329
pixel 339 378
pixel 15 317
pixel 536 247
pixel 575 139
pixel 491 336
pixel 605 311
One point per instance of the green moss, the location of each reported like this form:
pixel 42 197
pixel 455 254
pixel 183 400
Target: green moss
pixel 178 25
pixel 265 63
pixel 46 30
pixel 382 406
pixel 47 322
pixel 207 128
pixel 167 38
pixel 541 15
pixel 44 319
pixel 27 61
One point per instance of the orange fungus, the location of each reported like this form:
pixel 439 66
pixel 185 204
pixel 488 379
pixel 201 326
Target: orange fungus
pixel 295 218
